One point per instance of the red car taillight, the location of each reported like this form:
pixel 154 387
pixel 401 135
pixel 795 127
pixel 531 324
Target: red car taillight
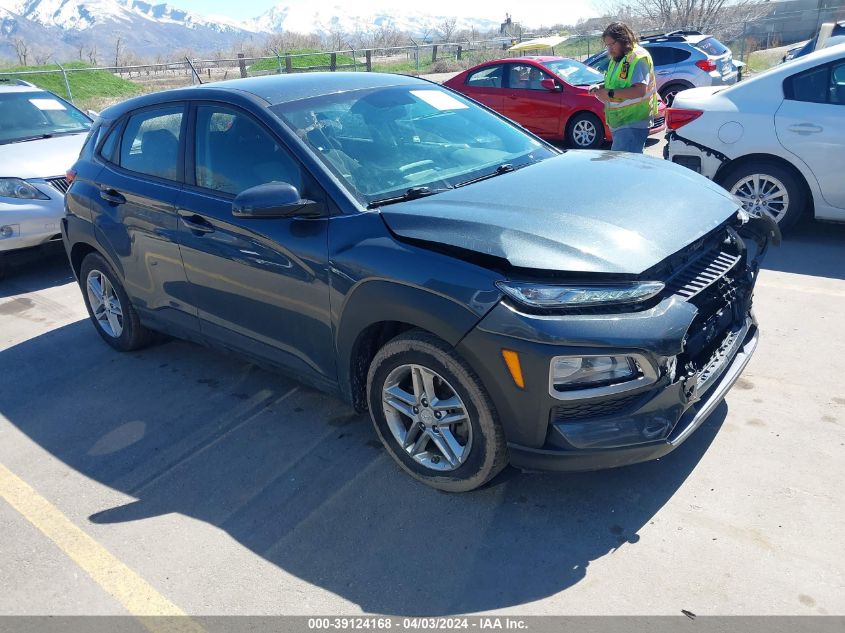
pixel 677 118
pixel 707 65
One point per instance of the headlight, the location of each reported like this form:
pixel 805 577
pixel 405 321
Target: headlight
pixel 578 296
pixel 588 376
pixel 17 188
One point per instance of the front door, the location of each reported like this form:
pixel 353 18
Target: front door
pixel 535 108
pixel 260 284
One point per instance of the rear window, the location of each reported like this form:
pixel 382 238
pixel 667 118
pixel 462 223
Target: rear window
pixel 712 46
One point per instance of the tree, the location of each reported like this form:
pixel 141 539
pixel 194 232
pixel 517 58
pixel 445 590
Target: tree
pixel 41 57
pixel 119 46
pixel 21 50
pixel 722 17
pixel 446 28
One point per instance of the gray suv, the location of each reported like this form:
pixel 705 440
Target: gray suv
pixel 683 59
pixel 394 243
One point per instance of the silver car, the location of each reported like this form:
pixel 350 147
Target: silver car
pixel 40 138
pixel 683 59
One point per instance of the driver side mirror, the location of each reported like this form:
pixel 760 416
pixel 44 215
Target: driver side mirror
pixel 274 200
pixel 550 85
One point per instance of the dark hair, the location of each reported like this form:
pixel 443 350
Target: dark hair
pixel 622 33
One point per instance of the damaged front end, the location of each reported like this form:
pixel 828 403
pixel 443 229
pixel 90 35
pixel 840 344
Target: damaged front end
pixel 697 337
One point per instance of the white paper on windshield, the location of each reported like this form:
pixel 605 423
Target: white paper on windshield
pixel 440 100
pixel 47 104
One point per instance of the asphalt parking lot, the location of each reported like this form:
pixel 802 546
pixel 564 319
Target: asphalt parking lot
pixel 178 479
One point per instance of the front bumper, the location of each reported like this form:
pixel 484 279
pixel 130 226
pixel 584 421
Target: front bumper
pixel 29 223
pixel 557 459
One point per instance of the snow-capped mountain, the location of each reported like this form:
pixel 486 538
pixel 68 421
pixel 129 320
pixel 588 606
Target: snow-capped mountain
pixel 78 16
pixel 322 18
pixel 61 27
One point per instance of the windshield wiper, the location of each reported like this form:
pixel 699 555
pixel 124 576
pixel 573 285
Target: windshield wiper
pixel 28 138
pixel 504 168
pixel 411 194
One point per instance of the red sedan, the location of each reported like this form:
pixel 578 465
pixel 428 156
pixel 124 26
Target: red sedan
pixel 546 95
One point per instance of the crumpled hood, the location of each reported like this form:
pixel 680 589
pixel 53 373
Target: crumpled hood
pixel 583 211
pixel 43 158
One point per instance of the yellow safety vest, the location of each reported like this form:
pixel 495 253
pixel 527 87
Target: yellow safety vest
pixel 618 75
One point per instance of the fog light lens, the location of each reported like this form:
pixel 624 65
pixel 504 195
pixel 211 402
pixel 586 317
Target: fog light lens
pixel 583 372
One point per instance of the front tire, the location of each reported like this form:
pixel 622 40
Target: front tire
pixel 433 415
pixel 113 315
pixel 585 131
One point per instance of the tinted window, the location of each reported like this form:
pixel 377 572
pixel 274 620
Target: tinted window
pixel 601 63
pixel 811 86
pixel 490 77
pixel 679 54
pixel 150 143
pixel 711 46
pixel 35 114
pixel 837 84
pixel 661 55
pixel 109 146
pixel 234 153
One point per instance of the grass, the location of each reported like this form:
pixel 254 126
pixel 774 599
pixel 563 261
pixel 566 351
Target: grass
pixel 307 57
pixel 88 88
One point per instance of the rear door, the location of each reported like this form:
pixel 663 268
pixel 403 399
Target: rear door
pixel 531 105
pixel 486 85
pixel 810 123
pixel 135 212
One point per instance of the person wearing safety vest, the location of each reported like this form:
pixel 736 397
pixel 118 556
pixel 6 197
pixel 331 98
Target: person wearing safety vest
pixel 629 93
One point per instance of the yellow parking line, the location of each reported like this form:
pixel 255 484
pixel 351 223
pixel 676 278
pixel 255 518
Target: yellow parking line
pixel 132 591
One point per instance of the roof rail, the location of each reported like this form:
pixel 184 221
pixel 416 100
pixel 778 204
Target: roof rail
pixel 671 36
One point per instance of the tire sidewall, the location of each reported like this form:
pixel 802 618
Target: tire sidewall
pixel 126 340
pixel 481 463
pixel 585 116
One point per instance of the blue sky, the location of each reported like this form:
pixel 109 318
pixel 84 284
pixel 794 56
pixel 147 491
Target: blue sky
pixel 531 13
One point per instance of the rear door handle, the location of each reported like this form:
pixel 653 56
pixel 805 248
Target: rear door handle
pixel 196 223
pixel 110 195
pixel 806 128
pixel 663 72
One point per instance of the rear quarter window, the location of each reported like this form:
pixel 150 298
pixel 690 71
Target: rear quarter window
pixel 711 46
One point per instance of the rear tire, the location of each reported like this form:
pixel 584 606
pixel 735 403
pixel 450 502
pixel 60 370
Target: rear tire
pixel 109 307
pixel 668 93
pixel 585 131
pixel 766 185
pixel 433 415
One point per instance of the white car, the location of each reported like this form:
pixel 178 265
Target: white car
pixel 777 141
pixel 40 138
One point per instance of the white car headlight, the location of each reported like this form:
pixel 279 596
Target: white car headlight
pixel 17 188
pixel 579 296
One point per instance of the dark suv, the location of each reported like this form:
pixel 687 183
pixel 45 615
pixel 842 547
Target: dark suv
pixel 483 294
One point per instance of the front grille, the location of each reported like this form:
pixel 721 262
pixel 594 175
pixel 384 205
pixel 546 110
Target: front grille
pixel 588 410
pixel 59 184
pixel 659 121
pixel 702 273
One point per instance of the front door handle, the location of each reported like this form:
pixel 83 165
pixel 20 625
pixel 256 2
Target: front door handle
pixel 663 72
pixel 196 223
pixel 110 195
pixel 806 128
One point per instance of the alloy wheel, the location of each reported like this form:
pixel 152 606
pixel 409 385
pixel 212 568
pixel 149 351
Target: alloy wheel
pixel 584 133
pixel 105 304
pixel 427 417
pixel 761 192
